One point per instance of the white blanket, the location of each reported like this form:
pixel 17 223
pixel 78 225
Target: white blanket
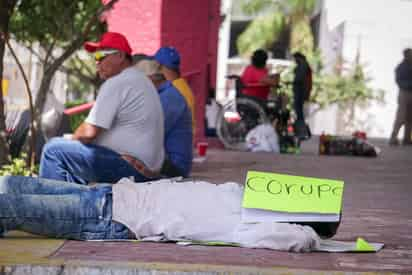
pixel 201 211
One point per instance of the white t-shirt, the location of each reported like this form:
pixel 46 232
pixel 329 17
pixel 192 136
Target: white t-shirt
pixel 128 108
pixel 200 211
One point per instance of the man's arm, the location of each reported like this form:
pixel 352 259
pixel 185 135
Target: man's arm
pixel 86 132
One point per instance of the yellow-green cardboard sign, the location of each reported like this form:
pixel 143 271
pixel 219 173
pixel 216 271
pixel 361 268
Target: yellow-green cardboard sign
pixel 285 193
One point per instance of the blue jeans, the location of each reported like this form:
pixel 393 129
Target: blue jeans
pixel 73 161
pixel 58 209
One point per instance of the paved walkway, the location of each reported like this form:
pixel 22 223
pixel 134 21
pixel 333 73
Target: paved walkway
pixel 376 207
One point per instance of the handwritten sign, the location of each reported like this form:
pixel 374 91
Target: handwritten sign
pixel 285 193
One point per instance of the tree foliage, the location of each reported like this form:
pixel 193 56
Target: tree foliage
pixel 60 28
pixel 54 23
pixel 18 167
pixel 257 6
pixel 282 14
pixel 301 38
pixel 261 33
pixel 6 11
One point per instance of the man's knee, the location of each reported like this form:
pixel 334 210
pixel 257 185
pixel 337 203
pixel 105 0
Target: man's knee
pixel 57 146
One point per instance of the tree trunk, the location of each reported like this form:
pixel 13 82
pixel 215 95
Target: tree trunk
pixel 6 10
pixel 51 66
pixel 41 96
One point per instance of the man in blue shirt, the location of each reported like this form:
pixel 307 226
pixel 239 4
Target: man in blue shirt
pixel 178 122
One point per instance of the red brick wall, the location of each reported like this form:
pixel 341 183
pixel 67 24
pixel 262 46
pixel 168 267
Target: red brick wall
pixel 192 27
pixel 189 25
pixel 139 21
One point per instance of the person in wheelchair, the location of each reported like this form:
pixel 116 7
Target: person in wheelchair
pixel 256 83
pixel 255 79
pixel 253 106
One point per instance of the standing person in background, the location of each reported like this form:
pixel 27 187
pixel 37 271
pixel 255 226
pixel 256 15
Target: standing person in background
pixel 403 75
pixel 169 59
pixel 256 79
pixel 302 84
pixel 123 135
pixel 178 122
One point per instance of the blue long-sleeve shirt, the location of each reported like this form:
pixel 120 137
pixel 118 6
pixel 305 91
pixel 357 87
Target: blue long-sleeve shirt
pixel 178 127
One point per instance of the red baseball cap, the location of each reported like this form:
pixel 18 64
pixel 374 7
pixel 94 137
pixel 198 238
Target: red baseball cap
pixel 110 40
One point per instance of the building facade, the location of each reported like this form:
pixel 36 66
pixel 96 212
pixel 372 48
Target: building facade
pixel 376 31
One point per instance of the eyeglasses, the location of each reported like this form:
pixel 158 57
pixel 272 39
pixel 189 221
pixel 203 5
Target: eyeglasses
pixel 100 55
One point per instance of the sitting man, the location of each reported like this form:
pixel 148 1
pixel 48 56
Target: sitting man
pixel 123 135
pixel 169 59
pixel 164 209
pixel 178 122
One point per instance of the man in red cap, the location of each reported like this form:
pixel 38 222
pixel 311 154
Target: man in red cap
pixel 123 135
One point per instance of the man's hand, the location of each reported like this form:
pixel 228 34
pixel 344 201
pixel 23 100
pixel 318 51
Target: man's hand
pixel 86 132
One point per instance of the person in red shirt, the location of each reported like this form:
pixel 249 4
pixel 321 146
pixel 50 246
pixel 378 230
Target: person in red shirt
pixel 256 79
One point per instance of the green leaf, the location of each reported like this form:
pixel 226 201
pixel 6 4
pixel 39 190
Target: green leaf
pixel 18 167
pixel 256 6
pixel 52 21
pixel 260 33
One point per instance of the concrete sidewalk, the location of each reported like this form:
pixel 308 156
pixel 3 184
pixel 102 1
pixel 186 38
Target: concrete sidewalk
pixel 376 207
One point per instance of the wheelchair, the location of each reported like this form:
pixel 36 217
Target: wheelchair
pixel 239 116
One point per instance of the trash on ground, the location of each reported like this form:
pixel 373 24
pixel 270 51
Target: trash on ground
pixel 357 145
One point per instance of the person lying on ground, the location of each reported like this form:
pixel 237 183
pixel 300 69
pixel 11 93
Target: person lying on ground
pixel 178 122
pixel 123 134
pixel 164 209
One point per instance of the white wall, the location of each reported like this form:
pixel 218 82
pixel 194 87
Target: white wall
pixel 381 29
pixel 17 95
pixel 223 49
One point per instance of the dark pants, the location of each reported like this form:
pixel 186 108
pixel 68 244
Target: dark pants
pixel 298 100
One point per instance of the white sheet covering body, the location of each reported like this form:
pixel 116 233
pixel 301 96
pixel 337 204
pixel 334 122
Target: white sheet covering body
pixel 201 211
